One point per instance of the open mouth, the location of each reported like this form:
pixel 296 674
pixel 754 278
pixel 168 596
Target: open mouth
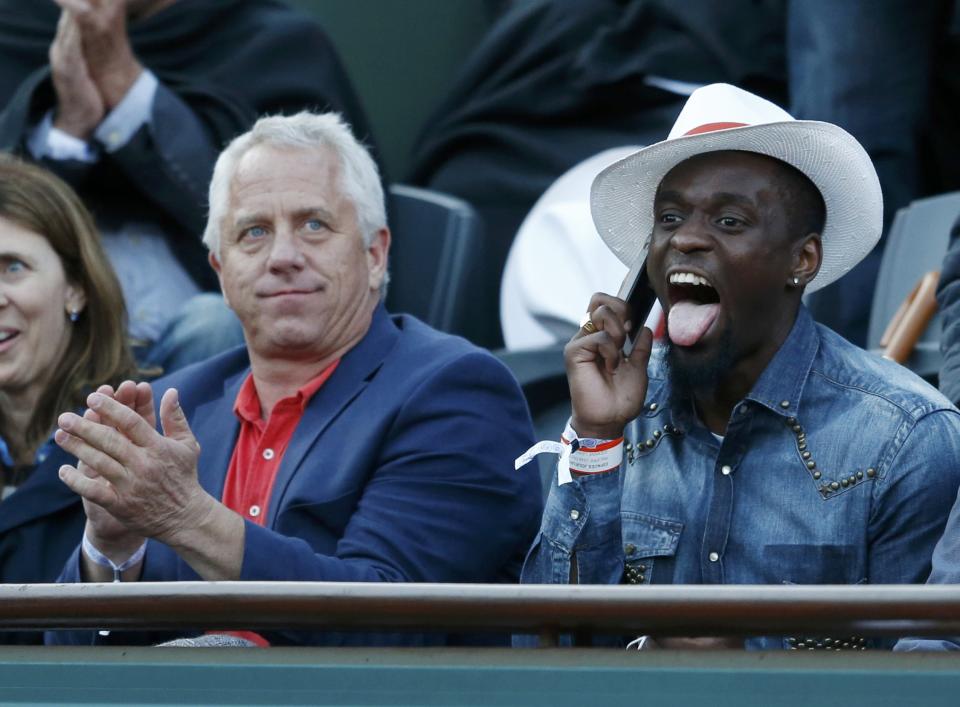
pixel 694 306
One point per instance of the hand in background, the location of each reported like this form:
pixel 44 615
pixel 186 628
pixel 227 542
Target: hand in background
pixel 110 61
pixel 80 107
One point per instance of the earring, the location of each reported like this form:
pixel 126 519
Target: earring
pixel 74 315
pixel 796 281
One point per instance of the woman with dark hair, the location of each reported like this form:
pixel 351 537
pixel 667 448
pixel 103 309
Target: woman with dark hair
pixel 62 333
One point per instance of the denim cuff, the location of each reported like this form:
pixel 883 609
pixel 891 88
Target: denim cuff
pixel 584 513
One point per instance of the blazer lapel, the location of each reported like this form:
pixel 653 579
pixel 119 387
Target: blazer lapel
pixel 351 377
pixel 216 429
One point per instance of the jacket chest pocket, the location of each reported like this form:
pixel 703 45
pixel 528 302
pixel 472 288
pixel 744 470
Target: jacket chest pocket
pixel 646 541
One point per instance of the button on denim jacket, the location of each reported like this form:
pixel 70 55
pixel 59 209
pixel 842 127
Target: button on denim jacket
pixel 839 467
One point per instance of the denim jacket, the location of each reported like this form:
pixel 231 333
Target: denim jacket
pixel 839 467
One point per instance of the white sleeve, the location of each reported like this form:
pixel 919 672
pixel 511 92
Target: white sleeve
pixel 129 114
pixel 48 141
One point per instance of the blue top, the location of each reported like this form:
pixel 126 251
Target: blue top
pixel 6 457
pixel 839 467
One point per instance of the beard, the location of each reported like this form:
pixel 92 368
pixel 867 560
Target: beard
pixel 692 374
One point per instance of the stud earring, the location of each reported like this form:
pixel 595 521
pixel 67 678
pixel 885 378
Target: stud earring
pixel 74 315
pixel 796 281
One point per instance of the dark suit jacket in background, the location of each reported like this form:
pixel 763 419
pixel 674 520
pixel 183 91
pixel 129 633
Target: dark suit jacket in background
pixel 401 470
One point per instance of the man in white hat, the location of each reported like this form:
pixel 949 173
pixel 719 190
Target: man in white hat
pixel 754 446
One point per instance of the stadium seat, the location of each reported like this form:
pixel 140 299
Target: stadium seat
pixel 916 244
pixel 436 238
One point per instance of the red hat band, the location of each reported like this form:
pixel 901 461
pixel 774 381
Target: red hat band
pixel 710 127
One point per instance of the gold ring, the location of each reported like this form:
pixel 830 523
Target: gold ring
pixel 587 325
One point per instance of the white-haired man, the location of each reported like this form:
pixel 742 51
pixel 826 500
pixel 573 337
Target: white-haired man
pixel 340 444
pixel 755 446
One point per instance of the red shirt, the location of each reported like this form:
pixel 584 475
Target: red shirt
pixel 258 453
pixel 261 444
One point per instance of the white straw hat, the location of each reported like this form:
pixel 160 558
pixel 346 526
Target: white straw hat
pixel 724 117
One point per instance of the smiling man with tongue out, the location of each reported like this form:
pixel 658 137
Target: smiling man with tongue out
pixel 752 445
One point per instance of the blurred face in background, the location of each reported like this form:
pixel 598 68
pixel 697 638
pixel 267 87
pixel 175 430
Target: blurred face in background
pixel 35 302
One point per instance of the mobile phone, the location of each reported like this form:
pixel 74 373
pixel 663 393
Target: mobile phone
pixel 640 298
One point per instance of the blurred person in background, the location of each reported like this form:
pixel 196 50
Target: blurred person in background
pixel 130 101
pixel 62 332
pixel 845 61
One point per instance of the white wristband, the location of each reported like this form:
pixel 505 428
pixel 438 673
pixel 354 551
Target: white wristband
pixel 550 447
pixel 99 558
pixel 583 456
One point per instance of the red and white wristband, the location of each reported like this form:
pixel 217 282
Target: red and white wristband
pixel 592 456
pixel 577 455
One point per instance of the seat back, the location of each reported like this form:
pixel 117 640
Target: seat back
pixel 436 238
pixel 916 244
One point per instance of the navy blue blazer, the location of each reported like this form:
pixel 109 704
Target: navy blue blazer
pixel 400 470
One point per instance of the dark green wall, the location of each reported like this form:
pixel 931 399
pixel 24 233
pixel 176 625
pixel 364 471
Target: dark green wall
pixel 402 55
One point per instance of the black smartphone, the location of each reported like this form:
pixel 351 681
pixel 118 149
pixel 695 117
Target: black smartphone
pixel 640 298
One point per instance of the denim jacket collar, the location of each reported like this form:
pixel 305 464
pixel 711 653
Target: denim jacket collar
pixel 780 386
pixel 782 381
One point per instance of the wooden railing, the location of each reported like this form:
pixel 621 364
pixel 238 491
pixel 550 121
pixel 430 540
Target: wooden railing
pixel 546 610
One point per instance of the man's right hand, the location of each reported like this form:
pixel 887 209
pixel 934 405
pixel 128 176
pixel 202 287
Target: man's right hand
pixel 79 109
pixel 607 389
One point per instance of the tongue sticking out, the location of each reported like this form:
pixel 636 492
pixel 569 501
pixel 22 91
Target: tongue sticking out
pixel 690 320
